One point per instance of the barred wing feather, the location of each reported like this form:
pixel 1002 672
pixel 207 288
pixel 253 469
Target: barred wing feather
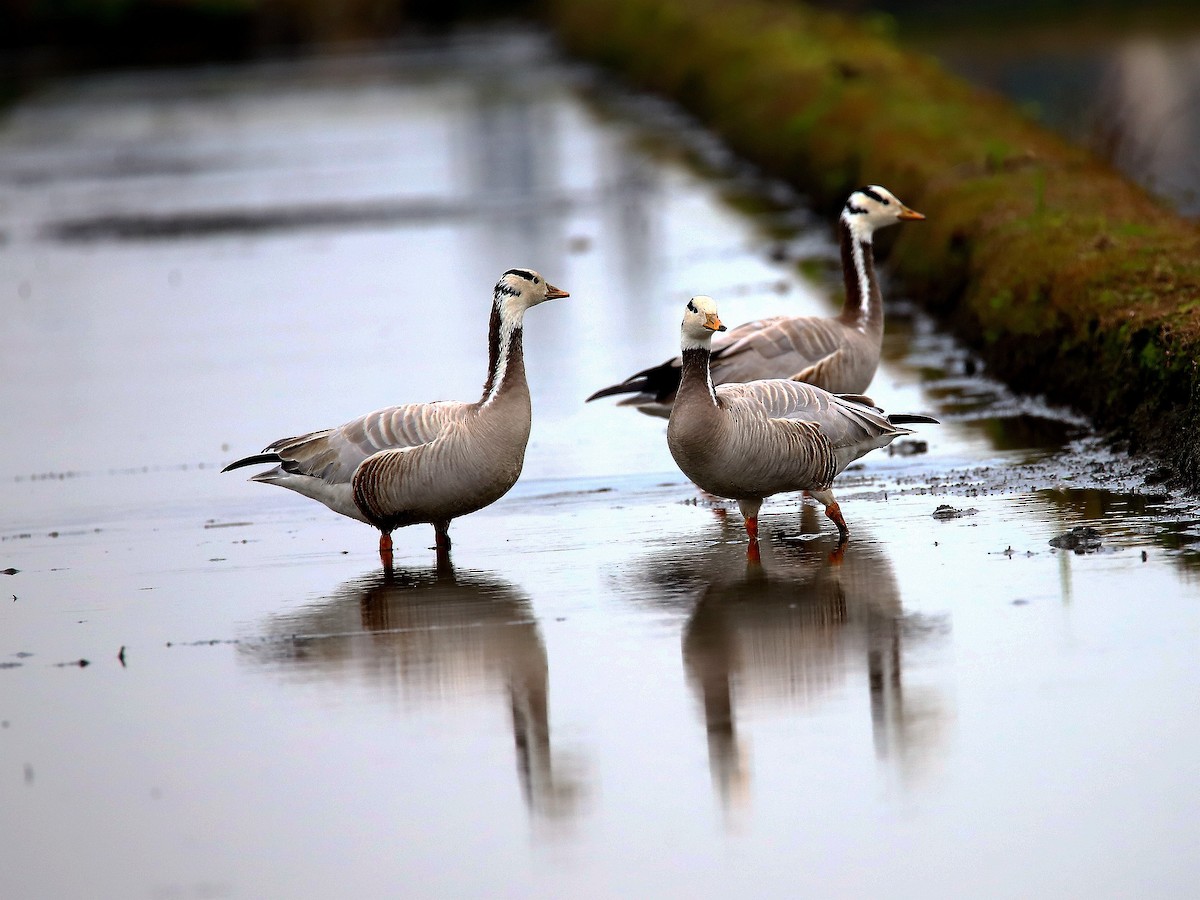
pixel 777 347
pixel 333 455
pixel 848 425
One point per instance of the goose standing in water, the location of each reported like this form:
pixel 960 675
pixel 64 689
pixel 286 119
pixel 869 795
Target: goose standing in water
pixel 749 441
pixel 424 462
pixel 839 354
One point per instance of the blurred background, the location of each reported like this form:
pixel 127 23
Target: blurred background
pixel 1121 77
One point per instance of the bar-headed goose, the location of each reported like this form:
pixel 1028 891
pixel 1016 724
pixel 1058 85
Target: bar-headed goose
pixel 424 462
pixel 839 354
pixel 749 441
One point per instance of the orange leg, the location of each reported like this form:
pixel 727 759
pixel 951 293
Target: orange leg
pixel 749 510
pixel 385 551
pixel 835 514
pixel 752 552
pixel 825 498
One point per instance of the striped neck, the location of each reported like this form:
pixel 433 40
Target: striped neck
pixel 506 357
pixel 696 376
pixel 863 308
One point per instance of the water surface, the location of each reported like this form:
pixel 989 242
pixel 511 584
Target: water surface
pixel 600 698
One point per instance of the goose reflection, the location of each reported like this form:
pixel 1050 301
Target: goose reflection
pixel 791 630
pixel 434 637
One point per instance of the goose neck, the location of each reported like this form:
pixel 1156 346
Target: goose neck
pixel 863 308
pixel 696 376
pixel 506 357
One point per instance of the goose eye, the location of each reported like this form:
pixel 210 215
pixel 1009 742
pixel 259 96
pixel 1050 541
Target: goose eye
pixel 537 281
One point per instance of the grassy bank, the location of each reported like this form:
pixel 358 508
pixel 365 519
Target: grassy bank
pixel 1071 281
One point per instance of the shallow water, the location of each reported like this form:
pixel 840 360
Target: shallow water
pixel 601 698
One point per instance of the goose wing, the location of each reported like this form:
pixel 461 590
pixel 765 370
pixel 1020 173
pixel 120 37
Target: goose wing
pixel 778 347
pixel 851 426
pixel 334 454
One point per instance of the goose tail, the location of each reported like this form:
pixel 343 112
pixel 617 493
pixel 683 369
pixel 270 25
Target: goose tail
pixel 632 386
pixel 911 419
pixel 659 382
pixel 256 459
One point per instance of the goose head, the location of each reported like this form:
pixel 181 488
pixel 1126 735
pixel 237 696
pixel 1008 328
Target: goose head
pixel 873 207
pixel 699 322
pixel 519 289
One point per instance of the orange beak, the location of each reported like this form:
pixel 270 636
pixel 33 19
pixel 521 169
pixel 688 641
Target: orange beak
pixel 909 215
pixel 553 293
pixel 712 323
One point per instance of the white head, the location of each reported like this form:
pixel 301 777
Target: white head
pixel 873 207
pixel 519 289
pixel 699 322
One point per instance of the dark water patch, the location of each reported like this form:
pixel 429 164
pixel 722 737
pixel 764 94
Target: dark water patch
pixel 182 225
pixel 1027 431
pixel 907 448
pixel 1178 535
pixel 1095 503
pixel 119 166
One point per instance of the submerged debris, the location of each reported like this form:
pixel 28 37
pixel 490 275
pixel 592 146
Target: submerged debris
pixel 946 511
pixel 910 447
pixel 1160 475
pixel 1082 539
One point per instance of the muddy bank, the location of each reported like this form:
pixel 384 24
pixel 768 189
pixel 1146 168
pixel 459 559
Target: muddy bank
pixel 1069 280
